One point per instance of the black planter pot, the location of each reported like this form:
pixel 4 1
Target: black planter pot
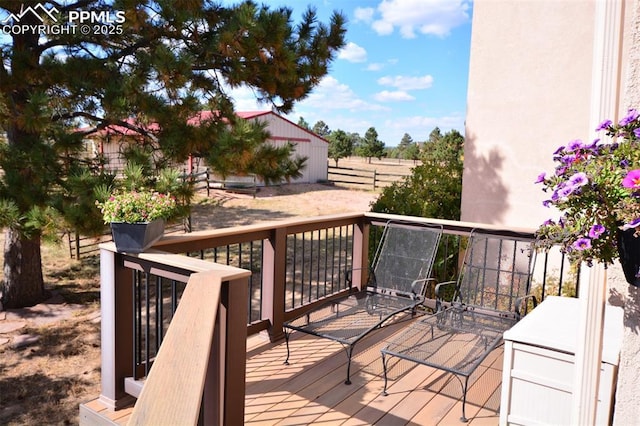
pixel 136 237
pixel 629 250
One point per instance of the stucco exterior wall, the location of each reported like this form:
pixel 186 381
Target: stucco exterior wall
pixel 530 77
pixel 528 93
pixel 627 408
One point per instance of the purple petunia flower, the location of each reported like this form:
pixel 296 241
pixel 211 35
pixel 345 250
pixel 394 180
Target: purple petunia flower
pixel 569 158
pixel 637 133
pixel 579 179
pixel 604 125
pixel 596 230
pixel 582 244
pixel 632 115
pixel 632 179
pixel 560 171
pixel 559 150
pixel 633 224
pixel 575 145
pixel 592 146
pixel 541 177
pixel 564 192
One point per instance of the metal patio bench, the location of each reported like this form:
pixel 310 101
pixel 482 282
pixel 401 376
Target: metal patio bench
pixel 489 297
pixel 397 282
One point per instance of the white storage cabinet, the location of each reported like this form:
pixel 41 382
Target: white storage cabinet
pixel 538 370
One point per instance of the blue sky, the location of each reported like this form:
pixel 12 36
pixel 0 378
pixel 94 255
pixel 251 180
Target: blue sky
pixel 404 68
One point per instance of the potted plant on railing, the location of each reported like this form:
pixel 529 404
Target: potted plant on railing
pixel 137 217
pixel 596 188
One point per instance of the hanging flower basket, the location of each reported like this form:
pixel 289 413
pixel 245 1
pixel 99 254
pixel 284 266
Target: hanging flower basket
pixel 136 237
pixel 596 188
pixel 629 250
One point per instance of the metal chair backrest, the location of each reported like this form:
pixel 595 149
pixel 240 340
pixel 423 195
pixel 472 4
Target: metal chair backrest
pixel 496 272
pixel 404 258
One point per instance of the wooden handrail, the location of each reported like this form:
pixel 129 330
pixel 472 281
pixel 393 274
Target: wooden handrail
pixel 173 390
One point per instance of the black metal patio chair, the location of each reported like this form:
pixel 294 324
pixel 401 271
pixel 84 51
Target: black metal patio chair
pixel 397 282
pixel 489 297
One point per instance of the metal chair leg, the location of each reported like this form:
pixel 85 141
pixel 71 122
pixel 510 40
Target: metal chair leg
pixel 384 371
pixel 286 339
pixel 349 354
pixel 464 400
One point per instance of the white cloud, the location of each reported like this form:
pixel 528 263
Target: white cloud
pixel 382 27
pixel 330 94
pixel 375 66
pixel 364 14
pixel 436 17
pixel 407 83
pixel 244 99
pixel 353 53
pixel 398 95
pixel 419 127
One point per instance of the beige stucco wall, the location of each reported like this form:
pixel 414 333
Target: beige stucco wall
pixel 528 93
pixel 530 78
pixel 627 408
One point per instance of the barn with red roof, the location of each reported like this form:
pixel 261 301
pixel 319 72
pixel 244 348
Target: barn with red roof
pixel 110 142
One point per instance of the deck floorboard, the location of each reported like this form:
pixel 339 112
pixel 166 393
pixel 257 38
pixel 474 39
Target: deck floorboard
pixel 311 389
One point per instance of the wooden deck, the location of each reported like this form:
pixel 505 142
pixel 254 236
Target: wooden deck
pixel 311 389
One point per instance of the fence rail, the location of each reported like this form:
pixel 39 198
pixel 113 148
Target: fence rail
pixel 362 177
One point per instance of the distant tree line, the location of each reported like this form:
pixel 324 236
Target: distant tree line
pixel 344 144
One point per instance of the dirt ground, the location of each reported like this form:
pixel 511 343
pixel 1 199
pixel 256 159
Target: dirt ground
pixel 224 209
pixel 50 354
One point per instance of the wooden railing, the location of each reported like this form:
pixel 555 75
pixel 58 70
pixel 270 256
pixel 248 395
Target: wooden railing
pixel 272 272
pixel 201 362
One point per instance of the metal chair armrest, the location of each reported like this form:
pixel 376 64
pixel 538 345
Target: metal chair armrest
pixel 419 287
pixel 438 290
pixel 524 302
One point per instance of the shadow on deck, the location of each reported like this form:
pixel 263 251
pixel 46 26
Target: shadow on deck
pixel 311 389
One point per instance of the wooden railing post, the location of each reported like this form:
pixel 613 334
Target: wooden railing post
pixel 274 264
pixel 224 388
pixel 116 308
pixel 360 253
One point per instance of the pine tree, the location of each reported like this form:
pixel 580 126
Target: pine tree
pixel 371 146
pixel 321 129
pixel 340 145
pixel 303 123
pixel 153 61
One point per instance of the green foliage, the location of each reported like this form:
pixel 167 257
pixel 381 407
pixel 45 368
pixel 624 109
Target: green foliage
pixel 274 164
pixel 340 145
pixel 137 206
pixel 166 62
pixel 321 129
pixel 241 150
pixel 303 123
pixel 163 67
pixel 77 203
pixel 371 146
pixel 434 188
